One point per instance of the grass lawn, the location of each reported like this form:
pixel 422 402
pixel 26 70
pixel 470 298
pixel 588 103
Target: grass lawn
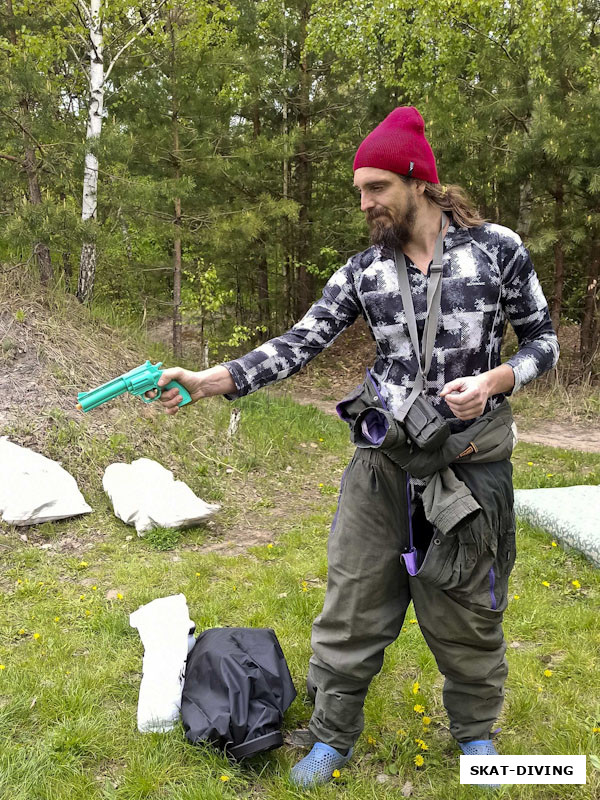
pixel 71 664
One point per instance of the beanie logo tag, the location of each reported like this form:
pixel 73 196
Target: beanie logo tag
pixel 410 169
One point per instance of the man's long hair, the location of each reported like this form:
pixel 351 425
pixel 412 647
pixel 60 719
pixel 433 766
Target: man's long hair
pixel 454 199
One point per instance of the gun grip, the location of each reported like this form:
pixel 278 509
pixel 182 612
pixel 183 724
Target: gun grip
pixel 183 392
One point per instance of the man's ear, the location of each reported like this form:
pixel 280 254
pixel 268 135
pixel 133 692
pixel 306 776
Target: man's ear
pixel 419 186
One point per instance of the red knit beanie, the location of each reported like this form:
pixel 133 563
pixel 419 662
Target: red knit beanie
pixel 398 144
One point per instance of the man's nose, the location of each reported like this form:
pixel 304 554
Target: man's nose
pixel 366 201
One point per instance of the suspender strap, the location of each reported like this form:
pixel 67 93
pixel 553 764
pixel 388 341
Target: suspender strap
pixel 434 295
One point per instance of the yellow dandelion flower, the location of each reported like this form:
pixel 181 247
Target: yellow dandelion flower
pixel 412 621
pixel 576 584
pixel 540 689
pixel 119 596
pixel 270 546
pixel 19 580
pixel 545 583
pixel 321 439
pixel 549 474
pixel 400 732
pixel 419 761
pixel 224 778
pixel 83 564
pixel 56 619
pixel 2 666
pixel 426 720
pixel 82 597
pixel 596 730
pixel 530 463
pixel 321 485
pixel 234 588
pixel 547 672
pixel 371 740
pixel 516 596
pixel 36 635
pixel 94 588
pixel 424 746
pixel 554 544
pixel 198 574
pixel 419 708
pixel 88 612
pixel 22 632
pixel 415 687
pixel 336 773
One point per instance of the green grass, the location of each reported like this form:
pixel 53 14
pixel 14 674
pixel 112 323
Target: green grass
pixel 68 697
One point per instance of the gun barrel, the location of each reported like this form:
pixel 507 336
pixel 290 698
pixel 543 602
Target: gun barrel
pixel 95 397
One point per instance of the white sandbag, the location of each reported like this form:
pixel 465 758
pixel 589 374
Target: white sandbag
pixel 35 489
pixel 146 495
pixel 164 626
pixel 569 514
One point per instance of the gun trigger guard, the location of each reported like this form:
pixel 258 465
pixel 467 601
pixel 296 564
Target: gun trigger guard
pixel 156 389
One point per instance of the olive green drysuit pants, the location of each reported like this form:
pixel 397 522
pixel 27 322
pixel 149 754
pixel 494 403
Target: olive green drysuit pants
pixel 369 590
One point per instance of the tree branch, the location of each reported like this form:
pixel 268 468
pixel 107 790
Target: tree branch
pixel 486 36
pixel 146 24
pixel 80 62
pixel 23 129
pixel 480 88
pixel 11 158
pixel 87 14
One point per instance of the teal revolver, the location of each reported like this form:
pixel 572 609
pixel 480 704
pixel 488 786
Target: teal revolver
pixel 137 382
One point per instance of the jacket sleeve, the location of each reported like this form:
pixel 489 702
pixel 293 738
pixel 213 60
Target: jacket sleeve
pixel 285 355
pixel 526 309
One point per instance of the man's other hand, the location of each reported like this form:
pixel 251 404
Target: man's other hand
pixel 466 397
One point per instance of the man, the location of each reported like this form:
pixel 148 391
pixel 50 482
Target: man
pixel 486 277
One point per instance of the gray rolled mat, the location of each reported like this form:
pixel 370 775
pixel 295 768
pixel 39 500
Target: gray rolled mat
pixel 570 514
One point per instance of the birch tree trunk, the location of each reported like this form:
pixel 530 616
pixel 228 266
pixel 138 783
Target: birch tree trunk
pixel 87 265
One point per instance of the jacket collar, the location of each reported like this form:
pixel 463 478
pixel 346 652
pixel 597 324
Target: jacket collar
pixel 455 236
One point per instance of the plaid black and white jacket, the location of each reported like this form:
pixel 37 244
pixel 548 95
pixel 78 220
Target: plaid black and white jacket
pixel 487 277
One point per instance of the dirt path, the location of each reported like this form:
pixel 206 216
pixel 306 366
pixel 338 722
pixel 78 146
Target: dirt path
pixel 554 434
pixel 545 432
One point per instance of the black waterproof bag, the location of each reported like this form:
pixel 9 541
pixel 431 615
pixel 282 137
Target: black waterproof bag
pixel 237 687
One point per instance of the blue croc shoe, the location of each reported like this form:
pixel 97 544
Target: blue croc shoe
pixel 318 766
pixel 480 747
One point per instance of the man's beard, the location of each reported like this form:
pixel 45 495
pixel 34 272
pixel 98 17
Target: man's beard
pixel 387 230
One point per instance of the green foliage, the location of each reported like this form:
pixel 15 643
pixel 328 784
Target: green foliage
pixel 248 114
pixel 72 664
pixel 163 538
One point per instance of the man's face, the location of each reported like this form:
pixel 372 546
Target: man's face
pixel 389 205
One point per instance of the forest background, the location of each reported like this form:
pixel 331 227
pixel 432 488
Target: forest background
pixel 191 159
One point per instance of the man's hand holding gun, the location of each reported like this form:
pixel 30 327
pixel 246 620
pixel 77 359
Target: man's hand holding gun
pixel 206 383
pixel 174 387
